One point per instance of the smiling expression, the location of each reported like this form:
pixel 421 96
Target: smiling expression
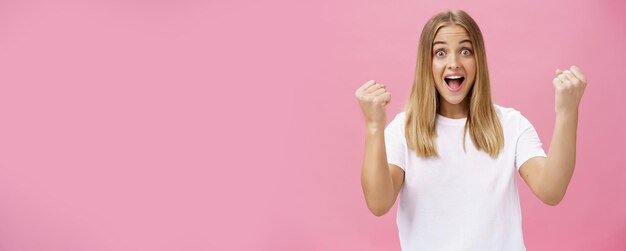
pixel 454 65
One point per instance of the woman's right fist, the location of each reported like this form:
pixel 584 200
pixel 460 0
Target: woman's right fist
pixel 373 97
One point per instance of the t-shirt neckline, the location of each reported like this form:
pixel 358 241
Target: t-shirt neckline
pixel 450 121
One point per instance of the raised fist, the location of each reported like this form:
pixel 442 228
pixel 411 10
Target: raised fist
pixel 373 97
pixel 569 86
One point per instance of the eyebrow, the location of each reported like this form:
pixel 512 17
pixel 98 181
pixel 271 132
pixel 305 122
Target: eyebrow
pixel 462 41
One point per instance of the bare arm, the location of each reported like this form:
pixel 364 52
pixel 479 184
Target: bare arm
pixel 380 181
pixel 549 177
pixel 559 166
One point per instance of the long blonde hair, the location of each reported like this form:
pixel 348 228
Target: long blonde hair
pixel 423 104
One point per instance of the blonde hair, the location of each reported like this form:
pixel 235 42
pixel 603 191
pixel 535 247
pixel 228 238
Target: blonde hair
pixel 421 110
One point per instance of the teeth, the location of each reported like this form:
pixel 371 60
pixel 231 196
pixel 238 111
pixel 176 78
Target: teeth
pixel 454 77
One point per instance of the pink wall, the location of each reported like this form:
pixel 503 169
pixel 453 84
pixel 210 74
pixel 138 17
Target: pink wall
pixel 198 125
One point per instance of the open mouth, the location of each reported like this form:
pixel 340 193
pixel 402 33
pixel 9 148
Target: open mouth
pixel 454 83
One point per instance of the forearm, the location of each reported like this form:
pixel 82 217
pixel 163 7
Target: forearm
pixel 561 160
pixel 375 176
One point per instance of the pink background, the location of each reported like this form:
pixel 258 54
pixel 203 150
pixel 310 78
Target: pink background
pixel 191 125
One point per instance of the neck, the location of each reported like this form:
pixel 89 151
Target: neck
pixel 454 111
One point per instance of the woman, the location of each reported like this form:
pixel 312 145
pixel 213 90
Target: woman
pixel 458 193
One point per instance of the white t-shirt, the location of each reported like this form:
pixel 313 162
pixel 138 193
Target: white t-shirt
pixel 462 201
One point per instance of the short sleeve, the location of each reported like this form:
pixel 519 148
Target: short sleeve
pixel 528 143
pixel 395 142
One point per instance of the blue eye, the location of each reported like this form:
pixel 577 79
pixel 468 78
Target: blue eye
pixel 466 52
pixel 440 53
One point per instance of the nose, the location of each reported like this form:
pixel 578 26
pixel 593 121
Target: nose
pixel 453 62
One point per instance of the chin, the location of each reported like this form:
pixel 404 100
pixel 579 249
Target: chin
pixel 454 100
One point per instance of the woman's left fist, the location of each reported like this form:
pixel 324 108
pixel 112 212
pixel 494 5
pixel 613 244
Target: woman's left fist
pixel 569 86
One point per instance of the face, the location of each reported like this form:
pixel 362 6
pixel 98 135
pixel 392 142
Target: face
pixel 454 65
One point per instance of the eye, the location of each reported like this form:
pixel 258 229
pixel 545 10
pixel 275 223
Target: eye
pixel 466 52
pixel 440 53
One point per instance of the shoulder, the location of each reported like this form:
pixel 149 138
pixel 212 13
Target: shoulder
pixel 511 118
pixel 506 113
pixel 400 116
pixel 398 121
